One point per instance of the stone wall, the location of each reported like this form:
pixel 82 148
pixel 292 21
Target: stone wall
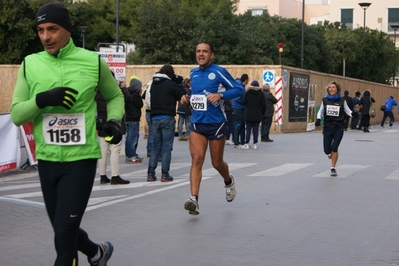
pixel 379 92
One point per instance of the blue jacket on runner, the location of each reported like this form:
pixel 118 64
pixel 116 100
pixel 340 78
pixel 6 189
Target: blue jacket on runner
pixel 236 102
pixel 209 78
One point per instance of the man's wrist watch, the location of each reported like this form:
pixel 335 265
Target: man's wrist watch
pixel 221 95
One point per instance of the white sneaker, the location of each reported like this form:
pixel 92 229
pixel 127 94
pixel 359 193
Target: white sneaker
pixel 229 142
pixel 231 190
pixel 255 146
pixel 191 205
pixel 245 147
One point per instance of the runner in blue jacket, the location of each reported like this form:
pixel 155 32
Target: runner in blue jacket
pixel 389 104
pixel 208 121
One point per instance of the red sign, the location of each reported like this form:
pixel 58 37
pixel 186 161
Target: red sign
pixel 30 145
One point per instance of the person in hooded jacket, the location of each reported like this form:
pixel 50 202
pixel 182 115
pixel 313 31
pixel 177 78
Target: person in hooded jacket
pixel 133 115
pixel 255 107
pixel 365 103
pixel 332 108
pixel 268 115
pixel 389 104
pixel 165 93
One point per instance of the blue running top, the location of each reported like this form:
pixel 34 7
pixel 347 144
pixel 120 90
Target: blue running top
pixel 209 79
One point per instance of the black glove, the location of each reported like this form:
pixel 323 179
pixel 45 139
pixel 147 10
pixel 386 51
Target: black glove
pixel 60 96
pixel 113 130
pixel 317 124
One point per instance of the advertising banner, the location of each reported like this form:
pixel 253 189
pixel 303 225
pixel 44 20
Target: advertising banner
pixel 29 140
pixel 311 107
pixel 298 102
pixel 116 62
pixel 9 146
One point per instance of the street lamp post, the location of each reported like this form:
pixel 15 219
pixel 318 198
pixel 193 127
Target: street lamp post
pixel 117 26
pixel 364 6
pixel 303 31
pixel 394 27
pixel 83 30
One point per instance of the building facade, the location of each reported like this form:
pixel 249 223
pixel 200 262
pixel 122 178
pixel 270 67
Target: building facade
pixel 375 14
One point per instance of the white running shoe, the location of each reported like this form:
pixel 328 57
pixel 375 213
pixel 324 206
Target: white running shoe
pixel 329 156
pixel 245 147
pixel 231 190
pixel 229 142
pixel 191 205
pixel 255 146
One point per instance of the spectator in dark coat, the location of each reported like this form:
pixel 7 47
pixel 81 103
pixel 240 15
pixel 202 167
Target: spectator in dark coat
pixel 349 102
pixel 365 103
pixel 255 107
pixel 165 93
pixel 268 116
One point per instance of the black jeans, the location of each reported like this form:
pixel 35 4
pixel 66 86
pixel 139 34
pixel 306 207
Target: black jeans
pixel 254 126
pixel 391 118
pixel 365 122
pixel 346 121
pixel 66 190
pixel 265 127
pixel 355 120
pixel 239 127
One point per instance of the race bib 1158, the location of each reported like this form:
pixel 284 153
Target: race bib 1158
pixel 64 129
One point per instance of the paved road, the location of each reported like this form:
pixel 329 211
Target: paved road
pixel 288 210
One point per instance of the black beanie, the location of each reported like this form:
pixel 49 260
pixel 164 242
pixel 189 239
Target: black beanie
pixel 56 13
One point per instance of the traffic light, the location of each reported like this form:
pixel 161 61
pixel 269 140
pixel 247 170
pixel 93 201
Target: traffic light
pixel 280 47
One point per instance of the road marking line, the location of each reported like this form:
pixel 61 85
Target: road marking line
pixel 23 202
pixel 344 170
pixel 394 175
pixel 143 172
pixel 90 208
pixel 232 166
pixel 32 185
pixel 282 169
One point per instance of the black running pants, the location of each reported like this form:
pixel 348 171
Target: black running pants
pixel 66 190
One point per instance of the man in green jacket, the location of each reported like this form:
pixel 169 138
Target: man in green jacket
pixel 56 90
